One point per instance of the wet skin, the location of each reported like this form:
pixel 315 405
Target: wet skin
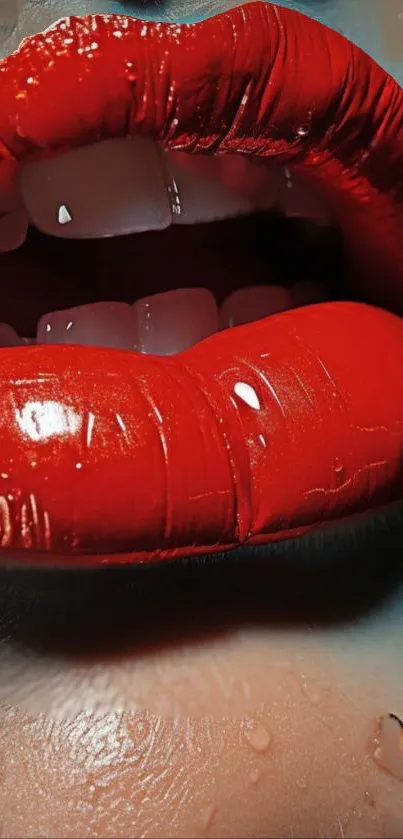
pixel 195 701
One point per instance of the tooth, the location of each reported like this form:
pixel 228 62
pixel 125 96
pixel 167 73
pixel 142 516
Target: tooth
pixel 8 336
pixel 169 322
pixel 111 188
pixel 204 188
pixel 98 324
pixel 308 291
pixel 252 303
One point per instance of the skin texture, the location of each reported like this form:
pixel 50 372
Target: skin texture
pixel 169 704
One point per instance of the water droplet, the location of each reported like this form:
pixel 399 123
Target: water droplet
pixel 257 735
pixel 303 130
pixel 388 753
pixel 254 775
pixel 311 690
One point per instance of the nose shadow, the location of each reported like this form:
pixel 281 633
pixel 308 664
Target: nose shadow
pixel 335 576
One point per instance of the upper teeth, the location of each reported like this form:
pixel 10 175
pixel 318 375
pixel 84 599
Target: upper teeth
pixel 124 186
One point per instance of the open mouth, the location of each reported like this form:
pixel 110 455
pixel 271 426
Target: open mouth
pixel 248 188
pixel 210 243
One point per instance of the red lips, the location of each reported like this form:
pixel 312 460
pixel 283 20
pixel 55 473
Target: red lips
pixel 258 433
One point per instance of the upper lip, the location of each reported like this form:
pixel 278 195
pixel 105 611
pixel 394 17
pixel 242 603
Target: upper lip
pixel 265 81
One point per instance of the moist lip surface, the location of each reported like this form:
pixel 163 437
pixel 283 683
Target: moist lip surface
pixel 258 433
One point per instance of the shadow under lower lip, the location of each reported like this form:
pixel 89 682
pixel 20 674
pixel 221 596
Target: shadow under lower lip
pixel 330 577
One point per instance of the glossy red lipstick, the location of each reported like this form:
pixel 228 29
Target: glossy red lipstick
pixel 256 434
pixel 259 79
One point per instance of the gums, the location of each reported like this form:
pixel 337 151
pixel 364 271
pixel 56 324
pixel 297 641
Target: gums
pixel 112 453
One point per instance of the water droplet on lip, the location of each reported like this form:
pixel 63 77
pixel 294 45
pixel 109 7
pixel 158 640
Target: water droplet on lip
pixel 388 753
pixel 303 129
pixel 256 735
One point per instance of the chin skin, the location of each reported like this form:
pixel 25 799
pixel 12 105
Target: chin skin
pixel 256 728
pixel 197 718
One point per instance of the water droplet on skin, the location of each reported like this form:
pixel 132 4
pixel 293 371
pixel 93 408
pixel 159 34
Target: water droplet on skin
pixel 388 753
pixel 256 735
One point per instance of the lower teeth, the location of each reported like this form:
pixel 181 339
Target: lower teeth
pixel 165 323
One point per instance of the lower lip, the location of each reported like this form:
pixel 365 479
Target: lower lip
pixel 109 454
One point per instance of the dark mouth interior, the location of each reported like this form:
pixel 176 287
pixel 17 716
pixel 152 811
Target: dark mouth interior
pixel 48 273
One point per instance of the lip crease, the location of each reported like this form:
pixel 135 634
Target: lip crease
pixel 256 434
